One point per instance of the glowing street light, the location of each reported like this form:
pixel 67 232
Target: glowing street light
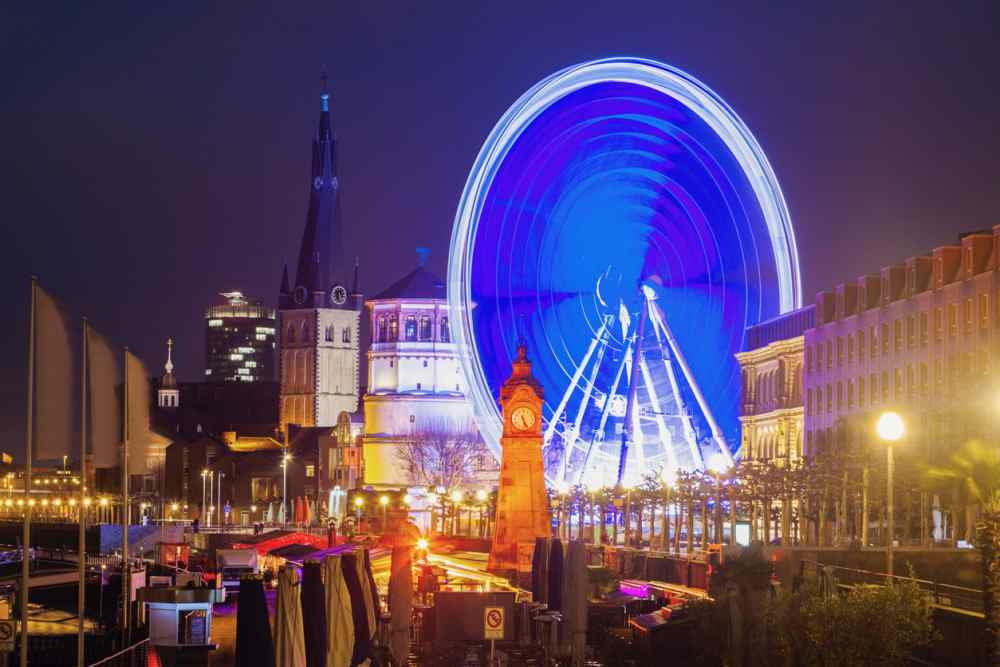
pixel 359 502
pixel 284 486
pixel 890 428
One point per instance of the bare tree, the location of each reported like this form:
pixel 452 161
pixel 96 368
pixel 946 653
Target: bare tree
pixel 444 453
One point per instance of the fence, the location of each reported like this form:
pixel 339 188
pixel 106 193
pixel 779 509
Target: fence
pixel 943 595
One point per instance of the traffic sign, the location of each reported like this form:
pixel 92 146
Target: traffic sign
pixel 6 636
pixel 493 621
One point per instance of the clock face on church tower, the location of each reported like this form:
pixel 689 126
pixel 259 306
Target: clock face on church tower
pixel 522 418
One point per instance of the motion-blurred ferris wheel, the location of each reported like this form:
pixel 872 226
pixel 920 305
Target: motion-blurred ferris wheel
pixel 623 221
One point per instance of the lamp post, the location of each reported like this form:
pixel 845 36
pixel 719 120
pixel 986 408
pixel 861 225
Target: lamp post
pixel 284 488
pixel 204 504
pixel 890 428
pixel 211 496
pixel 222 519
pixel 358 504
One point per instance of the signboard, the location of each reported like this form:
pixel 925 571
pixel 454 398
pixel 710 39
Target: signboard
pixel 493 623
pixel 6 636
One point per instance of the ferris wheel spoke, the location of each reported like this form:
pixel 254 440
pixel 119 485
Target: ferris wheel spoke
pixel 605 413
pixel 570 439
pixel 568 393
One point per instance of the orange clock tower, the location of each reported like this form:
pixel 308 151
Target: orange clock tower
pixel 522 503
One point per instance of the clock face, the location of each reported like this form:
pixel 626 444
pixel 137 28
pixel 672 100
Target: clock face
pixel 338 294
pixel 523 418
pixel 317 183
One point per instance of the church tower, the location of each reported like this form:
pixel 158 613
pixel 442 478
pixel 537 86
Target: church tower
pixel 522 502
pixel 168 395
pixel 319 314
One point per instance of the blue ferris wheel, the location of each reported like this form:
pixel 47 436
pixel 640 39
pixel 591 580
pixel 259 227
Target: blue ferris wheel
pixel 623 222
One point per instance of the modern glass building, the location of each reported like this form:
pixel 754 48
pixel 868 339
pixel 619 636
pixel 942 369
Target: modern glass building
pixel 239 341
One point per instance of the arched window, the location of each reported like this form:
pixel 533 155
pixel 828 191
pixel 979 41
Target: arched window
pixel 426 328
pixel 382 333
pixel 411 328
pixel 445 333
pixel 345 335
pixel 329 334
pixel 290 335
pixel 393 329
pixel 304 334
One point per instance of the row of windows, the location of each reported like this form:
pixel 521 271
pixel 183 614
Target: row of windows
pixel 301 333
pixel 904 334
pixel 907 382
pixel 387 329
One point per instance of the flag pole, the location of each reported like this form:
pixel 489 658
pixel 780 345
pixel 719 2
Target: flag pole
pixel 26 532
pixel 81 601
pixel 126 570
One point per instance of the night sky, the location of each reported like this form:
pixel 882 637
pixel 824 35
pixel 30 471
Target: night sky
pixel 154 156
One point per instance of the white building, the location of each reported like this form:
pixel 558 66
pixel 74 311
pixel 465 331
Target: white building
pixel 414 379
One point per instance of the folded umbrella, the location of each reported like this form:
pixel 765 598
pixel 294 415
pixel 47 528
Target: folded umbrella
pixel 313 613
pixel 353 573
pixel 254 646
pixel 401 602
pixel 371 599
pixel 575 595
pixel 289 640
pixel 339 615
pixel 555 576
pixel 539 571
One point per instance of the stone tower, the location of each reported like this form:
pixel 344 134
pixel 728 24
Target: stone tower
pixel 320 314
pixel 522 502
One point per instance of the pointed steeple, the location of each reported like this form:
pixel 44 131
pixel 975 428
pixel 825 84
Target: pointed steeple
pixel 284 292
pixel 168 381
pixel 316 263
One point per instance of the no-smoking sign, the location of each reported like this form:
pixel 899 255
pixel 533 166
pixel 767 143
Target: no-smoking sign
pixel 493 622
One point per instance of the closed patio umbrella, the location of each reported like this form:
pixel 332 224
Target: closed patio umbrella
pixel 353 573
pixel 339 617
pixel 401 602
pixel 314 613
pixel 289 642
pixel 555 576
pixel 374 609
pixel 539 570
pixel 575 595
pixel 254 646
pixel 299 512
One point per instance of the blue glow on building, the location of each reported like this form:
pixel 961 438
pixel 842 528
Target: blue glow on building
pixel 602 178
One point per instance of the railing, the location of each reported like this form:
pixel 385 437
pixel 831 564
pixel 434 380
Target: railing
pixel 136 655
pixel 942 595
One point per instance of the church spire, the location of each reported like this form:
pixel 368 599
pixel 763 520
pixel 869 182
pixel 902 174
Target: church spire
pixel 316 263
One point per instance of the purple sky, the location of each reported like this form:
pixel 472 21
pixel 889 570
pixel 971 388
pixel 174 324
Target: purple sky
pixel 154 156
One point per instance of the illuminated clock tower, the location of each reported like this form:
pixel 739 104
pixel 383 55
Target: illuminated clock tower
pixel 522 503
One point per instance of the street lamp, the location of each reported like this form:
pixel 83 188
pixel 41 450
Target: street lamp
pixel 284 487
pixel 383 500
pixel 358 504
pixel 889 428
pixel 204 503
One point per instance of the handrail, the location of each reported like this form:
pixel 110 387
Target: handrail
pixel 120 653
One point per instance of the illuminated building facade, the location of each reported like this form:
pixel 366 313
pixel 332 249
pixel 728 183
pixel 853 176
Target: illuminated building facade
pixel 771 413
pixel 415 382
pixel 239 341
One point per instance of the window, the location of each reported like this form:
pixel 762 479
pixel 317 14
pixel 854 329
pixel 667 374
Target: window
pixel 861 392
pixel 425 363
pixel 328 334
pixel 911 332
pixel 819 356
pixel 809 359
pixel 393 329
pixel 952 319
pixel 897 335
pixel 873 388
pixel 382 333
pixel 873 341
pixel 984 311
pixel 259 489
pixel 840 351
pixel 345 335
pixel 829 354
pixel 850 394
pixel 885 386
pixel 897 383
pixel 850 348
pixel 968 316
pixel 809 402
pixel 426 328
pixel 840 396
pixel 819 400
pixel 411 328
pixel 938 376
pixel 445 333
pixel 910 387
pixel 885 339
pixel 923 379
pixel 310 471
pixel 829 398
pixel 924 337
pixel 861 345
